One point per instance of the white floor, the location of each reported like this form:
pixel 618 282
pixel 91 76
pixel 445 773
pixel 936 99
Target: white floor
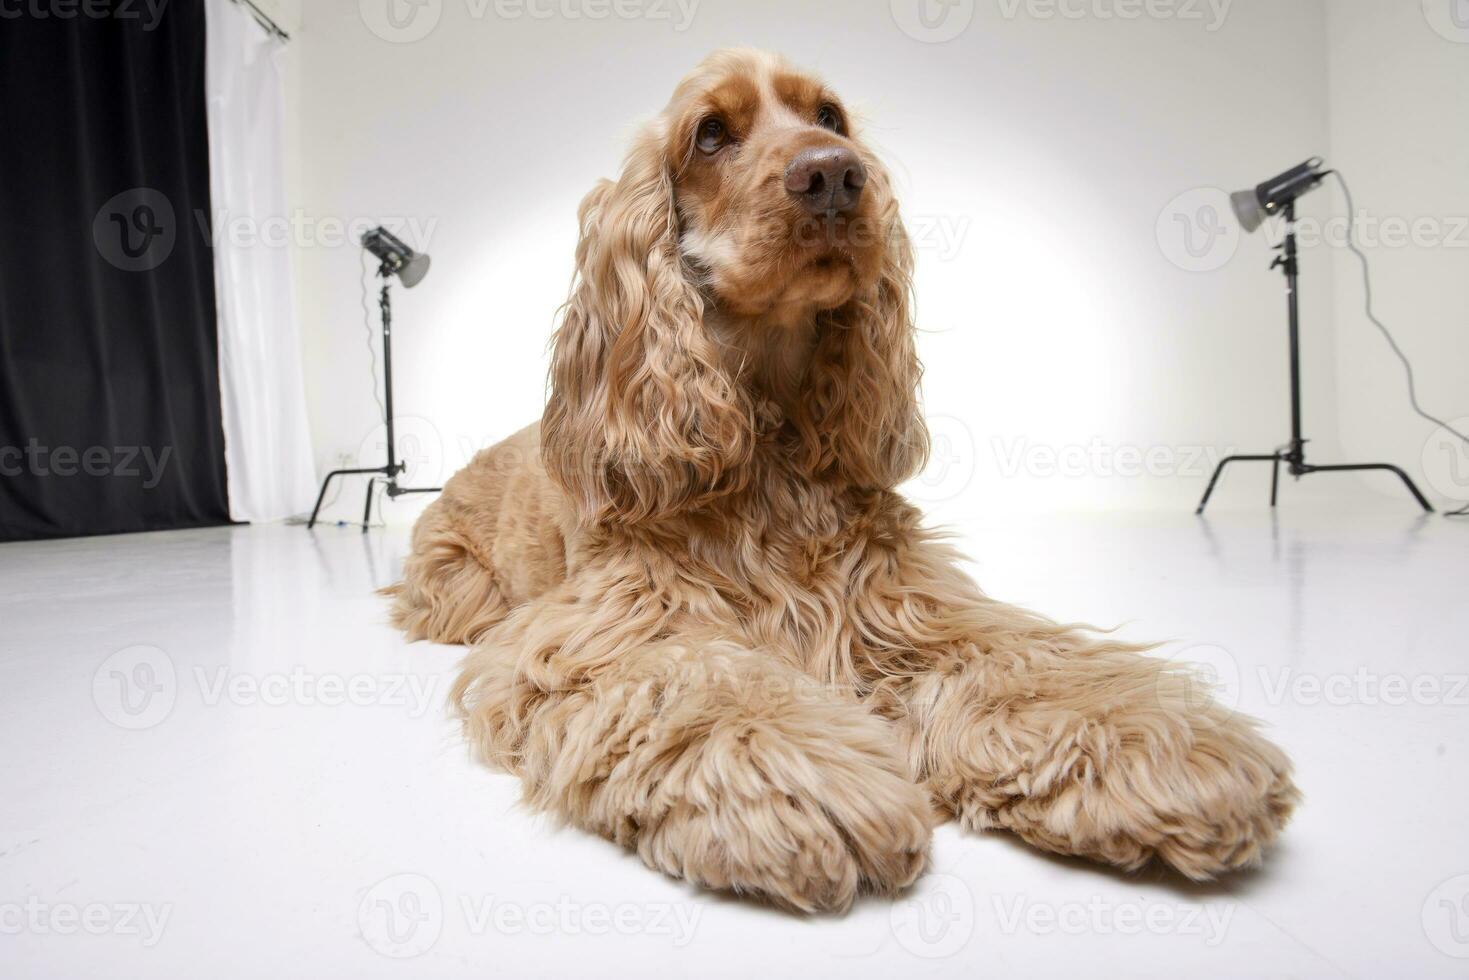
pixel 218 761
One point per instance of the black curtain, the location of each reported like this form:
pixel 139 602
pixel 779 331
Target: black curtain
pixel 109 378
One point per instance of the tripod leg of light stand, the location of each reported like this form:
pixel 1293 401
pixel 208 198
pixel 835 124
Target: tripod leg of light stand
pixel 316 511
pixel 1209 491
pixel 367 507
pixel 400 491
pixel 1383 467
pixel 1275 481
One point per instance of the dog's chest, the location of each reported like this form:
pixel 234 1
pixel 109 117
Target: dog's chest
pixel 798 574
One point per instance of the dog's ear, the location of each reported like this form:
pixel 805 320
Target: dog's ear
pixel 861 421
pixel 642 422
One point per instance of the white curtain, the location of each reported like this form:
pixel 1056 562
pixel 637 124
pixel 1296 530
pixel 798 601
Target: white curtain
pixel 267 440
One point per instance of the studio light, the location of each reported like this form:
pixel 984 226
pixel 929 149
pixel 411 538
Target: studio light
pixel 1278 196
pixel 1253 206
pixel 395 259
pixel 409 266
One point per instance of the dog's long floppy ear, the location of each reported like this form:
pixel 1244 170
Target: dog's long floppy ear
pixel 862 420
pixel 642 422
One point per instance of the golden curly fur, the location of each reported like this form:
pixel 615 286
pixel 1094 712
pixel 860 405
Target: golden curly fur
pixel 705 625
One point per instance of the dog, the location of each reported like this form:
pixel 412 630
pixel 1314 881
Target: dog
pixel 702 621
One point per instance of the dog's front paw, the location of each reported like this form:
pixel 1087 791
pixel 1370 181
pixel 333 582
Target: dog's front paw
pixel 1206 801
pixel 808 817
pixel 1217 807
pixel 1108 755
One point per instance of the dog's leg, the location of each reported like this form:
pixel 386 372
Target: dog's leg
pixel 448 595
pixel 1078 744
pixel 487 543
pixel 715 762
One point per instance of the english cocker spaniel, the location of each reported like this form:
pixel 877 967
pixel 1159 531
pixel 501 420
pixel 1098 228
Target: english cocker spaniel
pixel 703 622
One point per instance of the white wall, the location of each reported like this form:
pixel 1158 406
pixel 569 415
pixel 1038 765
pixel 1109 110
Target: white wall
pixel 1037 157
pixel 1399 111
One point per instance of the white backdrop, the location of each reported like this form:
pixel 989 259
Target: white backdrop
pixel 1096 332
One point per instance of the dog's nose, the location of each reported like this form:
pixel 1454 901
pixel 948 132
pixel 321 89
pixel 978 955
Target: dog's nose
pixel 827 180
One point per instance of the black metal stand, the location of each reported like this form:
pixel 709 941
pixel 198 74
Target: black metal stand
pixel 1294 453
pixel 394 466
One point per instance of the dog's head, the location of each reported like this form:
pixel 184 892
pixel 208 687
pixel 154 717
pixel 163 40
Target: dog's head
pixel 750 202
pixel 780 205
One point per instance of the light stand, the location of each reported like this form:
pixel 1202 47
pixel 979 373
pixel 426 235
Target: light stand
pixel 1293 454
pixel 399 260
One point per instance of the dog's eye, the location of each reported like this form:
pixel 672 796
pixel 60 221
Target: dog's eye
pixel 712 134
pixel 827 117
